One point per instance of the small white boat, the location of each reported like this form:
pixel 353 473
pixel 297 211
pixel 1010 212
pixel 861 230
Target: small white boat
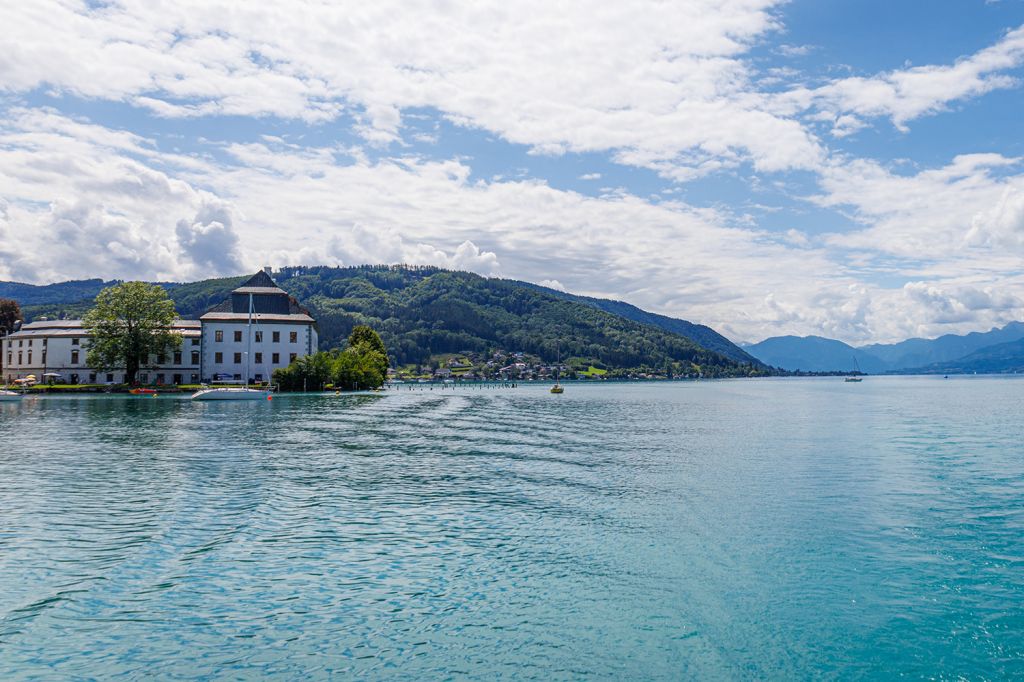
pixel 232 393
pixel 237 392
pixel 855 377
pixel 9 396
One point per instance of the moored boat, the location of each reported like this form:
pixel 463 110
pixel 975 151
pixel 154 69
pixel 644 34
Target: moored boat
pixel 237 392
pixel 557 388
pixel 855 377
pixel 9 396
pixel 232 393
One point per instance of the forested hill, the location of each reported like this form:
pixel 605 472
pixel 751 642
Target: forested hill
pixel 698 333
pixel 424 312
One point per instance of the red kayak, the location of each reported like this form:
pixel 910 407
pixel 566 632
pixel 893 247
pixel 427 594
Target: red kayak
pixel 143 391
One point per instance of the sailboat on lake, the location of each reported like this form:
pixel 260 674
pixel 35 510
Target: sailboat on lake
pixel 855 377
pixel 557 388
pixel 237 392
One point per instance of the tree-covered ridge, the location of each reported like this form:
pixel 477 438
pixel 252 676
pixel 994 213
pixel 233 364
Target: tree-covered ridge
pixel 422 312
pixel 425 312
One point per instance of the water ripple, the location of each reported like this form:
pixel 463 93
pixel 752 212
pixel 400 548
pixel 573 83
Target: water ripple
pixel 758 529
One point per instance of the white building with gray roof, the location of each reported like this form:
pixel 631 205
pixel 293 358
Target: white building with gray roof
pixel 281 331
pixel 214 347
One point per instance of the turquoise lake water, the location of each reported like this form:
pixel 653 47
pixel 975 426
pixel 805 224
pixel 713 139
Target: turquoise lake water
pixel 759 529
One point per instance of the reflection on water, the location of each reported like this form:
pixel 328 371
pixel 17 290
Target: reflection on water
pixel 727 529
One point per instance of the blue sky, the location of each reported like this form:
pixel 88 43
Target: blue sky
pixel 851 168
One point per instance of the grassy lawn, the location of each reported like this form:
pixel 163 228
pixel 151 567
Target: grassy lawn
pixel 593 372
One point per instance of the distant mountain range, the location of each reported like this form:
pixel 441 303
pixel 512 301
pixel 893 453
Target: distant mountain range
pixel 423 312
pixel 993 350
pixel 814 354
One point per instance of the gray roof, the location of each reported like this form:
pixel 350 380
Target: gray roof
pixel 258 318
pixel 260 283
pixel 43 328
pixel 260 290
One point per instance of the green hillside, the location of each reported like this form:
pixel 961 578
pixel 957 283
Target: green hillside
pixel 423 313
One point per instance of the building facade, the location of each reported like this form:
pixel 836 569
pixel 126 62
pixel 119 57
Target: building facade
pixel 258 329
pixel 58 348
pixel 258 316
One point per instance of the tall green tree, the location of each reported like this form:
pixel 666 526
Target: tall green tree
pixel 362 365
pixel 368 344
pixel 10 313
pixel 130 322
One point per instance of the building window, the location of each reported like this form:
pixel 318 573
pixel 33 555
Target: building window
pixel 44 357
pixel 74 357
pixel 291 357
pixel 20 358
pixel 110 378
pixel 10 358
pixel 161 359
pixel 259 337
pixel 259 358
pixel 238 336
pixel 238 358
pixel 195 357
pixel 218 335
pixel 275 358
pixel 195 378
pixel 21 343
pixel 30 354
pixel 275 337
pixel 92 378
pixel 30 343
pixel 177 379
pixel 195 342
pixel 177 357
pixel 159 378
pixel 293 337
pixel 74 341
pixel 144 378
pixel 218 358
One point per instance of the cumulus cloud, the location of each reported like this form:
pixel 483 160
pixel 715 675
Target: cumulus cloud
pixel 209 241
pixel 1001 225
pixel 82 200
pixel 552 284
pixel 933 214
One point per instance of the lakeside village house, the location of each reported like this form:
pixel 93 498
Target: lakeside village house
pixel 212 349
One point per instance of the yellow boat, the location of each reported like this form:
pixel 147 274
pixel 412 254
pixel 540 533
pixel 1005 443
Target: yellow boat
pixel 557 388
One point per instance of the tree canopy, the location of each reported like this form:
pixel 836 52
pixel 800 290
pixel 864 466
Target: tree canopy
pixel 10 314
pixel 362 365
pixel 129 323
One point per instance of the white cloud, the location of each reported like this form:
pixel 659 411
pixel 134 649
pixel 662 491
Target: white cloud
pixel 906 94
pixel 665 84
pixel 1002 224
pixel 209 241
pixel 670 87
pixel 936 214
pixel 81 200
